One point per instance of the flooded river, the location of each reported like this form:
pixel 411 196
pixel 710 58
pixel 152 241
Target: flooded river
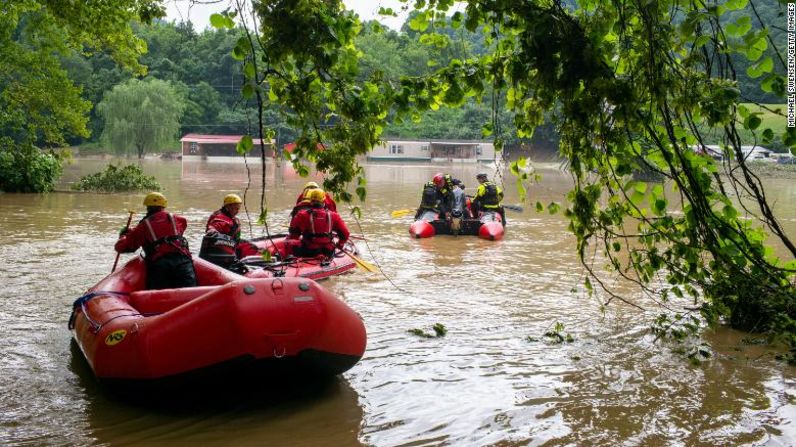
pixel 494 379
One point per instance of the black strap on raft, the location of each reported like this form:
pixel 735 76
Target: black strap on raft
pixel 80 303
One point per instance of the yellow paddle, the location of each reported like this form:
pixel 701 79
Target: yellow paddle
pixel 402 213
pixel 364 264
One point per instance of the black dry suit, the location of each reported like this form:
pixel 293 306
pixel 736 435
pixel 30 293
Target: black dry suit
pixel 429 200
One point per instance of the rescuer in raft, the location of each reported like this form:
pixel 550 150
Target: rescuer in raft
pixel 439 197
pixel 167 255
pixel 331 205
pixel 488 198
pixel 222 244
pixel 312 230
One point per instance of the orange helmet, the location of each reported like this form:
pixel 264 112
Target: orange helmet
pixel 439 180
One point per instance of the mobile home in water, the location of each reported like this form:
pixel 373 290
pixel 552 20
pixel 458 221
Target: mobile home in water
pixel 432 150
pixel 219 147
pixel 751 153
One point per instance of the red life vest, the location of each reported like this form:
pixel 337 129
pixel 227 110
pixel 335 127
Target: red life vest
pixel 317 229
pixel 162 236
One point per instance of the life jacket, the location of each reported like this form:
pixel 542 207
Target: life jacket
pixel 490 199
pixel 319 231
pixel 429 198
pixel 165 239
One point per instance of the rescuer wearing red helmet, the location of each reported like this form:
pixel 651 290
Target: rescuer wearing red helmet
pixel 167 255
pixel 315 228
pixel 438 195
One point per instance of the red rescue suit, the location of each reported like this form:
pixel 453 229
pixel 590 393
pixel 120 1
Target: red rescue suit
pixel 316 228
pixel 331 205
pixel 159 233
pixel 222 222
pixel 168 258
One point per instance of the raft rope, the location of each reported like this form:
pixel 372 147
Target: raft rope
pixel 81 303
pixel 365 240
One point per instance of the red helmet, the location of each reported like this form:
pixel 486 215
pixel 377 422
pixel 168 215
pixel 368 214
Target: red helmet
pixel 439 180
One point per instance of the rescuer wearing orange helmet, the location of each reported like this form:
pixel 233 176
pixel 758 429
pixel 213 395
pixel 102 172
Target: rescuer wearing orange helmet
pixel 167 255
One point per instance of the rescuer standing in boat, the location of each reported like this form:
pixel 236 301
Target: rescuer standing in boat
pixel 167 256
pixel 488 198
pixel 312 230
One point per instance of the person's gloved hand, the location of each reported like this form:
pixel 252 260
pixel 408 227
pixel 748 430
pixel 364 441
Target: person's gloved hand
pixel 340 245
pixel 124 231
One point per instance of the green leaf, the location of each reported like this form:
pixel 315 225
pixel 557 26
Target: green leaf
pixel 245 145
pixel 419 22
pixel 768 136
pixel 361 193
pixel 753 121
pixel 247 91
pixel 248 70
pixel 789 137
pixel 736 4
pixel 729 212
pixel 217 21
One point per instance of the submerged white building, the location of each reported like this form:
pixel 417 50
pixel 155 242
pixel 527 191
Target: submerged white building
pixel 433 150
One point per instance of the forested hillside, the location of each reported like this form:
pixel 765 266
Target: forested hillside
pixel 200 66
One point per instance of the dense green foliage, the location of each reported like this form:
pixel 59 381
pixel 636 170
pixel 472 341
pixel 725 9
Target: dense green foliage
pixel 40 105
pixel 631 86
pixel 118 179
pixel 201 67
pixel 29 170
pixel 141 115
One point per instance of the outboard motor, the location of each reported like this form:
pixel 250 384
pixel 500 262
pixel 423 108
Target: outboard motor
pixel 458 210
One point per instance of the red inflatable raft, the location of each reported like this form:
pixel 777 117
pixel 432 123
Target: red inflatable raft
pixel 316 268
pixel 489 226
pixel 229 323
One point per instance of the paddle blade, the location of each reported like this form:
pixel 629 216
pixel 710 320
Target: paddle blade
pixel 402 213
pixel 516 208
pixel 362 263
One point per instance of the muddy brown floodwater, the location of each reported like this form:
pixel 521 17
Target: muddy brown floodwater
pixel 492 380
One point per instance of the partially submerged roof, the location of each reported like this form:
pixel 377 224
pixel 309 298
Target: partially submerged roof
pixel 216 139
